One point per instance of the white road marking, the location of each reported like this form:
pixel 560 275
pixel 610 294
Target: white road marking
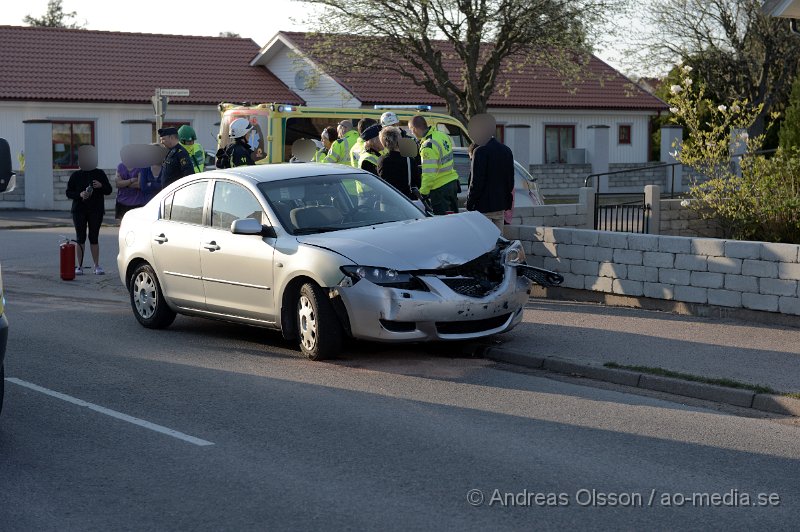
pixel 112 413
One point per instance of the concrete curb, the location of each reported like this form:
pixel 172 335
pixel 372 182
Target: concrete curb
pixel 776 404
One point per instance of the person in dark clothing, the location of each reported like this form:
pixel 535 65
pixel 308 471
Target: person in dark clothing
pixel 398 171
pixel 239 153
pixel 149 182
pixel 491 180
pixel 178 163
pixel 86 188
pixel 368 158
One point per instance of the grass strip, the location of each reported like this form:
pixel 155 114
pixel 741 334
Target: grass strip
pixel 729 383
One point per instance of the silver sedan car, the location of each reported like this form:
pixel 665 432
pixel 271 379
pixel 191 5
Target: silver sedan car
pixel 318 252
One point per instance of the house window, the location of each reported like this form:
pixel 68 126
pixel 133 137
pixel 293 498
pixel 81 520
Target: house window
pixel 557 140
pixel 68 136
pixel 624 134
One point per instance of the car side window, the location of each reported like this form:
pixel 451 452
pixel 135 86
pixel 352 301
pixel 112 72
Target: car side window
pixel 187 203
pixel 233 202
pixel 457 136
pixel 463 166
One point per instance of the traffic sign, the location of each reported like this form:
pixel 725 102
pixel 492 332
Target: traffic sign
pixel 173 92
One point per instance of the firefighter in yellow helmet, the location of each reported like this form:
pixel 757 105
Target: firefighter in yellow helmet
pixel 439 178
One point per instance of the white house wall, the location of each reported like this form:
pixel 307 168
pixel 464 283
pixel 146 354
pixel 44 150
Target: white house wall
pixel 107 118
pixel 636 152
pixel 326 92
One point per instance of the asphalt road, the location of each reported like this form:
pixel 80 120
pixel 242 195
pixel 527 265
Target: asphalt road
pixel 212 426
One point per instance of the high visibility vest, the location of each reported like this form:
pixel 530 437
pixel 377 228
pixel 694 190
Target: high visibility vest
pixel 367 156
pixel 437 161
pixel 340 150
pixel 355 153
pixel 198 156
pixel 319 156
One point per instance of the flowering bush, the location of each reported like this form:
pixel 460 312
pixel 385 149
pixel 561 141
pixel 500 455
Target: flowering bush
pixel 751 197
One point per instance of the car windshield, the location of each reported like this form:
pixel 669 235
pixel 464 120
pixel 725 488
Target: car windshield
pixel 319 204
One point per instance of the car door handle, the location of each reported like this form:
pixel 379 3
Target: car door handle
pixel 161 238
pixel 211 246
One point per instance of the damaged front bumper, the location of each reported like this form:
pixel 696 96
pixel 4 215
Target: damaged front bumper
pixel 436 311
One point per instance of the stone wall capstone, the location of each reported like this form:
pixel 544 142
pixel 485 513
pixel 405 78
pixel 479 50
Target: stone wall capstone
pixel 728 273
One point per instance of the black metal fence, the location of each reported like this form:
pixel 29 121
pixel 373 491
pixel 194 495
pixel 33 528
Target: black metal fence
pixel 669 178
pixel 621 212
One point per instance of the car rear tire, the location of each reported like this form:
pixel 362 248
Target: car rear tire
pixel 318 329
pixel 147 300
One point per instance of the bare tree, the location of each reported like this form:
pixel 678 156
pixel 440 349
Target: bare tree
pixel 456 49
pixel 54 18
pixel 733 47
pixel 228 34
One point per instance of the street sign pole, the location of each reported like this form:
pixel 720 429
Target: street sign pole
pixel 161 100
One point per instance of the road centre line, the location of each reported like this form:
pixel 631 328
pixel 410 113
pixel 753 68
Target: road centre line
pixel 112 413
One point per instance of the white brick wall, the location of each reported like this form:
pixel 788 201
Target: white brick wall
pixel 729 273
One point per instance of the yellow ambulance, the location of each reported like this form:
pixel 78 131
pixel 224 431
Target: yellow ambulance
pixel 276 126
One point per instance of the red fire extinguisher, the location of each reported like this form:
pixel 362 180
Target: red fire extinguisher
pixel 67 260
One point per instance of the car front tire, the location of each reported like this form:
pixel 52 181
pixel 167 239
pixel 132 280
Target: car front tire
pixel 147 300
pixel 318 329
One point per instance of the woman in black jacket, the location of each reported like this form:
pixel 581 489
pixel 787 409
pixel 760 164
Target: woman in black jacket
pixel 398 171
pixel 87 188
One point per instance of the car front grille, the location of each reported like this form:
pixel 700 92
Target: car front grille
pixel 470 286
pixel 471 326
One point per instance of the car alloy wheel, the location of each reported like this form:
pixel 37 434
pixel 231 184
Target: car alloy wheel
pixel 147 301
pixel 318 327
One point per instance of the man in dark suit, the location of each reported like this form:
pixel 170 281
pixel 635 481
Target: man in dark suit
pixel 492 173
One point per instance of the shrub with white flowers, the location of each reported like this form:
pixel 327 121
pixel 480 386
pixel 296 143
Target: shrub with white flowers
pixel 760 201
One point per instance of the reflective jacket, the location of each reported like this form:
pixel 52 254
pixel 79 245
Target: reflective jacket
pixel 355 153
pixel 198 156
pixel 368 160
pixel 436 153
pixel 340 150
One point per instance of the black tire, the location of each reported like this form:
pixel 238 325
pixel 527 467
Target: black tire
pixel 318 329
pixel 2 385
pixel 147 300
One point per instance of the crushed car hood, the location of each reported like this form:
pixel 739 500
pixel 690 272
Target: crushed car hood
pixel 426 244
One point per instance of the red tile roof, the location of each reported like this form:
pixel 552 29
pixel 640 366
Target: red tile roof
pixel 55 64
pixel 531 86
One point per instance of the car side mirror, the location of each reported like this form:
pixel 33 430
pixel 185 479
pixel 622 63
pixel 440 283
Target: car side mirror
pixel 249 226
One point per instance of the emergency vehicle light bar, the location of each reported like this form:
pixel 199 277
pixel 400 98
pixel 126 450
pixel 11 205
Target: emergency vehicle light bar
pixel 415 107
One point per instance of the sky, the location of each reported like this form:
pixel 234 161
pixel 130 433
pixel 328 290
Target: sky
pixel 188 18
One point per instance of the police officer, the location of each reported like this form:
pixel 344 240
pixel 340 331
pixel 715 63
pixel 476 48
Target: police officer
pixel 178 162
pixel 340 150
pixel 439 178
pixel 368 158
pixel 239 153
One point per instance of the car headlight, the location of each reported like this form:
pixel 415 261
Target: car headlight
pixel 376 275
pixel 514 253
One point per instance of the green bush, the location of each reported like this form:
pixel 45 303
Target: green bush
pixel 751 197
